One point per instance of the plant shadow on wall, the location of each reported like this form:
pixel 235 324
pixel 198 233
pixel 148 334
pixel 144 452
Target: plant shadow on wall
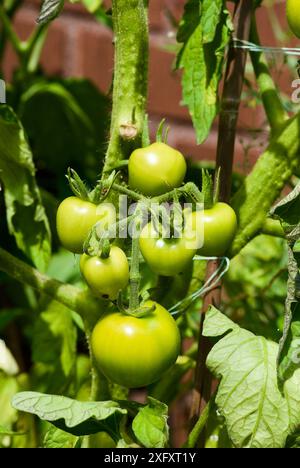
pixel 80 332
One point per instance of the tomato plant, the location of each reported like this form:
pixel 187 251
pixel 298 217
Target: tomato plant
pixel 136 351
pixel 150 339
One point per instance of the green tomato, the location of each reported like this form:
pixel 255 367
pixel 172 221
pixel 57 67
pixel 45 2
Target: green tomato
pixel 135 352
pixel 166 257
pixel 156 169
pixel 293 15
pixel 216 228
pixel 106 277
pixel 75 218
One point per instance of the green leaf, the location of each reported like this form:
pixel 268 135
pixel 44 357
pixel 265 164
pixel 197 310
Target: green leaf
pixel 26 216
pixel 50 10
pixel 210 17
pixel 54 347
pixel 150 425
pixel 104 17
pixel 204 33
pixel 257 414
pixel 74 417
pixel 256 286
pixel 291 390
pixel 56 438
pixel 287 211
pixel 92 5
pixel 77 107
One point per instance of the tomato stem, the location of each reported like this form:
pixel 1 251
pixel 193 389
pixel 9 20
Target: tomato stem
pixel 130 24
pixel 272 104
pixel 82 302
pixel 265 182
pixel 126 191
pixel 197 430
pixel 135 277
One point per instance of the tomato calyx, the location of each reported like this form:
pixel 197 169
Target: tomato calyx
pixel 162 132
pixel 139 312
pixel 77 185
pixel 95 196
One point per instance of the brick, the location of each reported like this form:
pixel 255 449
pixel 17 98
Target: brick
pixel 94 54
pixel 164 83
pixel 158 13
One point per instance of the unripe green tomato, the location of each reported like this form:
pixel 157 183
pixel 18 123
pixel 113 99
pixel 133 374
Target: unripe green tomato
pixel 293 15
pixel 135 352
pixel 106 277
pixel 156 169
pixel 218 225
pixel 165 257
pixel 75 218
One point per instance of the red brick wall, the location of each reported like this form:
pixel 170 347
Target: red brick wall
pixel 79 46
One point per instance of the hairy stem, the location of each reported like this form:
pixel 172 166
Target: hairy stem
pixel 130 79
pixel 35 46
pixel 74 298
pixel 134 275
pixel 272 104
pixel 264 184
pixel 272 227
pixel 197 430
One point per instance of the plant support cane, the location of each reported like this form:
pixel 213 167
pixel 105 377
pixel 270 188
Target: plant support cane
pixel 226 139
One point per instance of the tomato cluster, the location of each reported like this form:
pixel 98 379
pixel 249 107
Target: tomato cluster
pixel 133 349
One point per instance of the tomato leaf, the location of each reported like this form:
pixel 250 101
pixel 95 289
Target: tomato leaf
pixel 150 425
pixel 257 414
pixel 287 211
pixel 54 347
pixel 56 438
pixel 204 33
pixel 26 216
pixel 77 107
pixel 75 417
pixel 50 10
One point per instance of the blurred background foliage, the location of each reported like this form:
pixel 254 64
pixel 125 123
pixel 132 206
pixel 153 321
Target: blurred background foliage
pixel 43 347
